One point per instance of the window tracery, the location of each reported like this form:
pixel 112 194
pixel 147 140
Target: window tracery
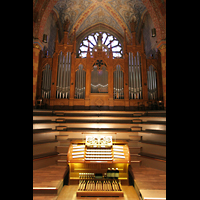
pixel 108 41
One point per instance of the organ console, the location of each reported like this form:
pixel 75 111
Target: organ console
pixel 89 160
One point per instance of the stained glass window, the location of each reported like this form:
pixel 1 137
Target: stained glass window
pixel 107 38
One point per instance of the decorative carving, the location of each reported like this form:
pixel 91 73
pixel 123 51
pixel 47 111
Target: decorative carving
pixel 99 102
pixel 99 64
pixel 162 47
pixel 35 45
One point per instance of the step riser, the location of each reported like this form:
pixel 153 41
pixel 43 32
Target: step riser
pixel 63 132
pixel 148 162
pixel 62 149
pixel 44 148
pixel 153 149
pixel 44 162
pixel 62 163
pixel 153 137
pixel 62 157
pixel 66 126
pixel 44 136
pixel 61 137
pixel 43 192
pixel 135 158
pixel 135 164
pixel 134 150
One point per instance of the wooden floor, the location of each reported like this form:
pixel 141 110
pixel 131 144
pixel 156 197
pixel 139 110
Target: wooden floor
pixel 69 193
pixel 48 176
pixel 150 182
pixel 48 181
pixel 149 178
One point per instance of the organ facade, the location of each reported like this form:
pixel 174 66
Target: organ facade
pixel 99 72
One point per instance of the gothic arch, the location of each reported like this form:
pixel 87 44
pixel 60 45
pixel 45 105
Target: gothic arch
pixel 155 8
pixel 157 11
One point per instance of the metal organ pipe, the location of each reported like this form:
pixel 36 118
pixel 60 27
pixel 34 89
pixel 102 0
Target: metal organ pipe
pixel 118 83
pixel 76 85
pixel 131 73
pixel 58 77
pixel 66 75
pixel 63 78
pixel 136 77
pixel 80 83
pixel 152 85
pixel 46 82
pixel 139 75
pixel 135 80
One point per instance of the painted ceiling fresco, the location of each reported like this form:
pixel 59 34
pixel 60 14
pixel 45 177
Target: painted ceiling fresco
pixel 100 15
pixel 83 14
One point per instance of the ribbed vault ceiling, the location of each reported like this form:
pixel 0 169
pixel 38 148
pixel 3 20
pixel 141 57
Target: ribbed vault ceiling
pixel 84 14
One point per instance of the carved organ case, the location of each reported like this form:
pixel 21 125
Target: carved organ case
pixel 101 73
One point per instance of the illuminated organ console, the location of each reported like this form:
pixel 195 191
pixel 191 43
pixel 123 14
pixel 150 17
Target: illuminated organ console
pixel 89 161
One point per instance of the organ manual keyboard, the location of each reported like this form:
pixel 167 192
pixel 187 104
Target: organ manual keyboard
pixel 93 156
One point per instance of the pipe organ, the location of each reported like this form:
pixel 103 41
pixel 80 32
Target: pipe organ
pixel 152 83
pixel 80 83
pixel 135 78
pixel 64 75
pixel 99 79
pixel 118 86
pixel 46 82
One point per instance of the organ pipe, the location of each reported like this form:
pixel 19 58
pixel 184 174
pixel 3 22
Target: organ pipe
pixel 139 75
pixel 64 74
pixel 118 90
pixel 135 80
pixel 99 80
pixel 151 81
pixel 46 83
pixel 80 83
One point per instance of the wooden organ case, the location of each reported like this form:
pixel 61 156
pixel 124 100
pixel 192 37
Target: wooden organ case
pixel 129 82
pixel 89 161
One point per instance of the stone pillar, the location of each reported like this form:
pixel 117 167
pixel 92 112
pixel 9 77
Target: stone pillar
pixel 162 49
pixel 36 53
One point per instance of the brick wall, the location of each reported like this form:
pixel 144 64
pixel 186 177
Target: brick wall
pixel 163 64
pixel 50 30
pixel 150 44
pixel 36 51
